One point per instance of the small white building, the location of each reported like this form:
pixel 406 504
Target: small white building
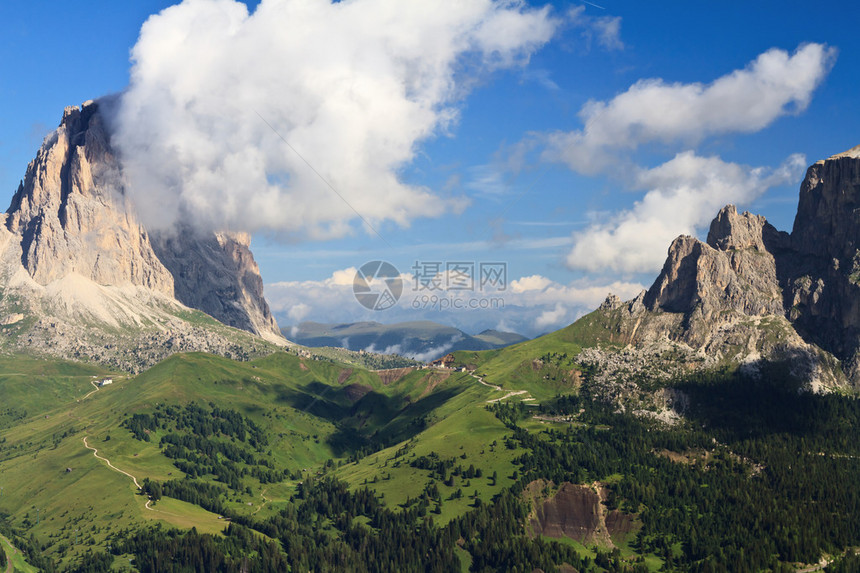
pixel 106 381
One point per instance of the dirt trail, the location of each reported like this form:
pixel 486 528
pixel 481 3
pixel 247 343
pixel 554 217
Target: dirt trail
pixel 508 395
pixel 8 555
pixel 110 465
pixel 500 389
pixel 481 380
pixel 134 479
pixel 262 505
pixel 91 391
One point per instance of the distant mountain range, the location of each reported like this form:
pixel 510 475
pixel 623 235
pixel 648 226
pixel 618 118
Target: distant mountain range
pixel 422 340
pixel 688 396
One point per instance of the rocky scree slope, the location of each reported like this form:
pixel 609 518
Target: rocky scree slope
pixel 81 276
pixel 752 295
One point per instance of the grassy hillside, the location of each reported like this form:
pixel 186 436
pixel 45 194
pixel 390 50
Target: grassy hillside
pixel 317 464
pixel 312 410
pixel 544 366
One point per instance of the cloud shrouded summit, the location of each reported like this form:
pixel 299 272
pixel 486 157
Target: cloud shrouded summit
pixel 352 88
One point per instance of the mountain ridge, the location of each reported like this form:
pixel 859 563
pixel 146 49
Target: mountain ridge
pixel 751 293
pixel 82 277
pixel 424 339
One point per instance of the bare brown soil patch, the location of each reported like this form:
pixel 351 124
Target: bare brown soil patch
pixel 619 523
pixel 355 392
pixel 344 375
pixel 572 512
pixel 392 375
pixel 576 512
pixel 432 380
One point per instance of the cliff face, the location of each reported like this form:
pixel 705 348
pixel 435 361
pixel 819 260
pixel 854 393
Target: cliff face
pixel 823 271
pixel 751 292
pixel 218 275
pixel 827 223
pixel 71 217
pixel 736 270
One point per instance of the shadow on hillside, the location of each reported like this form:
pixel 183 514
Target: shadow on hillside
pixel 374 420
pixel 739 407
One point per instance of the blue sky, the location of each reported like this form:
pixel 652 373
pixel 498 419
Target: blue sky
pixel 514 176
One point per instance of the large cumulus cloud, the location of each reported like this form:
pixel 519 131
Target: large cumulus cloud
pixel 259 121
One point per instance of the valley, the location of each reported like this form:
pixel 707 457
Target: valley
pixel 154 417
pixel 242 451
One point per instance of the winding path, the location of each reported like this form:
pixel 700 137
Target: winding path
pixel 500 389
pixel 93 382
pixel 134 479
pixel 481 380
pixel 262 505
pixel 110 465
pixel 8 555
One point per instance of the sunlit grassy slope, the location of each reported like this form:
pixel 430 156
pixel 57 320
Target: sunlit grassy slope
pixel 543 366
pixel 312 411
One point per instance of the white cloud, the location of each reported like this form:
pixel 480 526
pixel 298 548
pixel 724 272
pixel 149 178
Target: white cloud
pixel 353 88
pixel 298 312
pixel 343 277
pixel 487 180
pixel 533 282
pixel 525 301
pixel 435 352
pixel 609 32
pixel 683 196
pixel 775 84
pixel 393 349
pixel 552 317
pixel 606 29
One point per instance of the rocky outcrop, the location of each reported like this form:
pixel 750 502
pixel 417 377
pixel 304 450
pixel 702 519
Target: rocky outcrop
pixel 752 293
pixel 735 270
pixel 71 214
pixel 823 285
pixel 827 224
pixel 71 223
pixel 218 275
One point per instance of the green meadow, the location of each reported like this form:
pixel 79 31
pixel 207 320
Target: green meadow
pixel 319 416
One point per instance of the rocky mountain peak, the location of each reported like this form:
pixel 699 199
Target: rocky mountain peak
pixel 853 153
pixel 827 223
pixel 731 230
pixel 753 292
pixel 611 303
pixel 71 214
pixel 71 217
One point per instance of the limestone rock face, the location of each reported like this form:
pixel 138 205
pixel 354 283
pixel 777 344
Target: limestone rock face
pixel 752 292
pixel 731 231
pixel 218 275
pixel 823 289
pixel 71 215
pixel 71 223
pixel 827 224
pixel 734 271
